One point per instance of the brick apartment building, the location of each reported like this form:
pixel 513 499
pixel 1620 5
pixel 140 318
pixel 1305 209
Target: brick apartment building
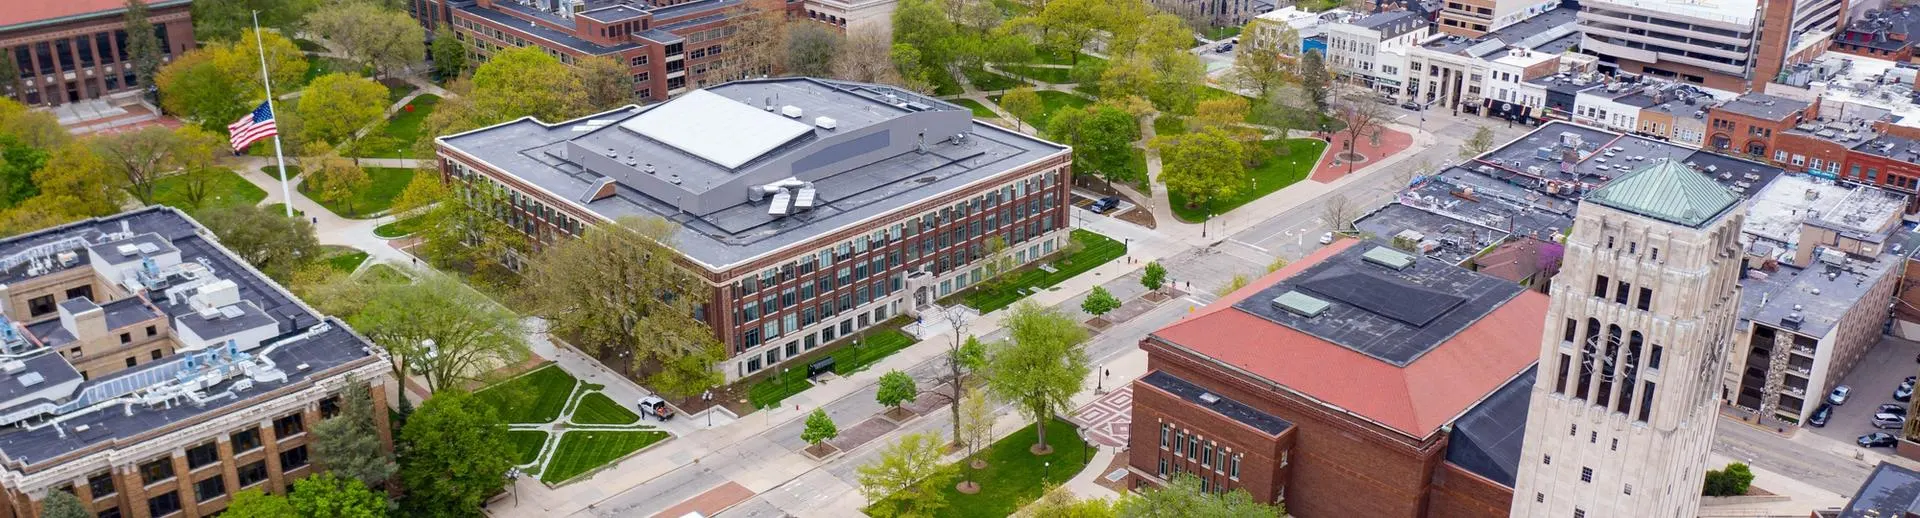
pixel 1881 34
pixel 1747 125
pixel 72 50
pixel 1359 381
pixel 152 373
pixel 813 208
pixel 671 46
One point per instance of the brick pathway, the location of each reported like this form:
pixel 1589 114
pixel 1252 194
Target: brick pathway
pixel 1107 420
pixel 711 502
pixel 1391 142
pixel 859 434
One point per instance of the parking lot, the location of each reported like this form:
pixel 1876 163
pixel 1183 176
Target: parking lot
pixel 1873 382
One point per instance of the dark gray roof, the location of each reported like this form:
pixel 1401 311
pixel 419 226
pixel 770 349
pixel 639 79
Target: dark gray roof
pixel 1763 106
pixel 1891 146
pixel 1486 440
pixel 1459 240
pixel 52 368
pixel 109 251
pixel 1792 290
pixel 1392 24
pixel 218 326
pixel 540 32
pixel 1392 315
pixel 726 232
pixel 1891 491
pixel 128 311
pixel 1225 407
pixel 78 305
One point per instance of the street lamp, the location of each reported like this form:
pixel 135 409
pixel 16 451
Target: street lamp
pixel 708 397
pixel 513 475
pixel 1046 472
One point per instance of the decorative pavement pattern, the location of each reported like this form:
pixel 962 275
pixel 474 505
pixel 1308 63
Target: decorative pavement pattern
pixel 1109 419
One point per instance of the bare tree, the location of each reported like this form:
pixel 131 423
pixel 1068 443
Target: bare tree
pixel 965 353
pixel 866 56
pixel 1340 212
pixel 1363 117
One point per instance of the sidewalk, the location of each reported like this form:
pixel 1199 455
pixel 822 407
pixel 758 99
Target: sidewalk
pixel 1800 499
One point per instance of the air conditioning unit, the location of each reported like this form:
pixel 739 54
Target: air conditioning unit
pixel 791 111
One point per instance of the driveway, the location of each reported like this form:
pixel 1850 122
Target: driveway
pixel 1873 381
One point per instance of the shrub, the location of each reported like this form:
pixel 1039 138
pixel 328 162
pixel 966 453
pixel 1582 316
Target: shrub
pixel 1730 481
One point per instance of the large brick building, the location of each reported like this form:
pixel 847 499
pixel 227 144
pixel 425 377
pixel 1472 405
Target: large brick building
pixel 1359 381
pixel 670 46
pixel 812 208
pixel 152 373
pixel 72 50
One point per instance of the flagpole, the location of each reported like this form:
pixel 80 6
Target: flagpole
pixel 286 189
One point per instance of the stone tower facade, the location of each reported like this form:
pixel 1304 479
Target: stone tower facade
pixel 1638 332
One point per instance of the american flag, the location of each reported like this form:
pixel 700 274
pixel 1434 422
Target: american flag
pixel 252 127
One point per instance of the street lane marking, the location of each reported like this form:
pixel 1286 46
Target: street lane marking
pixel 1248 245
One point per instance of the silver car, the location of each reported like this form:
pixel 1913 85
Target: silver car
pixel 1839 395
pixel 1888 421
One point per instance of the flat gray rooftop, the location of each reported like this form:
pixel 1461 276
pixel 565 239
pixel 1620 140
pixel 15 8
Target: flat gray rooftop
pixel 887 150
pixel 1228 408
pixel 1763 106
pixel 1392 315
pixel 1821 294
pixel 1891 491
pixel 1603 155
pixel 1458 240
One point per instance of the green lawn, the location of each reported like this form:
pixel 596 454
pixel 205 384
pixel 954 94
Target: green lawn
pixel 536 397
pixel 273 171
pixel 344 259
pixel 1014 476
pixel 320 65
pixel 1095 250
pixel 396 137
pixel 400 227
pixel 989 81
pixel 1051 102
pixel 281 208
pixel 980 111
pixel 397 90
pixel 582 451
pixel 1275 173
pixel 1296 118
pixel 875 346
pixel 1041 74
pixel 597 408
pixel 1221 33
pixel 526 444
pixel 224 189
pixel 1169 124
pixel 386 184
pixel 383 274
pixel 1042 56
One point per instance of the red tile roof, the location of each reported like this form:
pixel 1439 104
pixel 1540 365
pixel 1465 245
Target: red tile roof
pixel 1514 261
pixel 1417 400
pixel 23 11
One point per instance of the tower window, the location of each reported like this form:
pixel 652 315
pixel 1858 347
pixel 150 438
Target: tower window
pixel 1586 474
pixel 1540 497
pixel 1546 459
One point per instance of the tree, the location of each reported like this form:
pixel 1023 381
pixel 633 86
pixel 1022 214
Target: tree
pixel 896 388
pixel 425 189
pixel 370 35
pixel 349 444
pixel 1066 26
pixel 223 20
pixel 141 156
pixel 1182 498
pixel 1061 503
pixel 1202 166
pixel 1340 212
pixel 810 50
pixel 441 330
pixel 908 475
pixel 9 78
pixel 270 241
pixel 454 454
pixel 193 88
pixel 866 56
pixel 1226 114
pixel 820 428
pixel 1154 276
pixel 1265 66
pixel 975 424
pixel 1024 104
pixel 605 83
pixel 61 504
pixel 252 503
pixel 336 179
pixel 143 45
pixel 330 495
pixel 1238 281
pixel 240 61
pixel 650 318
pixel 1732 480
pixel 1040 366
pixel 196 154
pixel 1478 144
pixel 756 47
pixel 1099 302
pixel 963 356
pixel 462 234
pixel 521 82
pixel 337 105
pixel 923 25
pixel 74 184
pixel 1314 79
pixel 1102 137
pixel 1363 117
pixel 37 128
pixel 449 55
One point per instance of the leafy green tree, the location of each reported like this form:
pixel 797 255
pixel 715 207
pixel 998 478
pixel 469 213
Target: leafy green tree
pixel 336 105
pixel 240 61
pixel 336 179
pixel 1067 26
pixel 1040 366
pixel 1182 498
pixel 1061 503
pixel 1102 138
pixel 1154 276
pixel 330 495
pixel 820 428
pixel 9 78
pixel 454 454
pixel 61 504
pixel 223 20
pixel 425 189
pixel 810 50
pixel 349 444
pixel 649 321
pixel 143 45
pixel 1315 80
pixel 217 83
pixel 74 183
pixel 896 388
pixel 439 329
pixel 270 241
pixel 37 128
pixel 1202 166
pixel 372 36
pixel 975 423
pixel 923 25
pixel 1265 66
pixel 907 476
pixel 1024 104
pixel 141 156
pixel 1479 143
pixel 1099 302
pixel 252 503
pixel 449 55
pixel 18 163
pixel 462 234
pixel 525 81
pixel 1732 480
pixel 605 83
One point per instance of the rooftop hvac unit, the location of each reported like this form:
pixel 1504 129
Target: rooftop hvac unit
pixel 781 203
pixel 791 111
pixel 805 198
pixel 148 248
pixel 31 379
pixel 1209 398
pixel 128 249
pixel 826 122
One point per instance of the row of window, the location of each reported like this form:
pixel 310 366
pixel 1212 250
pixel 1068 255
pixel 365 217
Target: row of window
pixel 809 341
pixel 63 55
pixel 1205 452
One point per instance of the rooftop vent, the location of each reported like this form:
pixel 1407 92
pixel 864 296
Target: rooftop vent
pixel 128 249
pixel 791 111
pixel 232 312
pixel 1388 258
pixel 826 122
pixel 1300 304
pixel 148 248
pixel 1209 398
pixel 31 379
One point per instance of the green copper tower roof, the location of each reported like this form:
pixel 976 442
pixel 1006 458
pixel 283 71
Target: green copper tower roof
pixel 1669 191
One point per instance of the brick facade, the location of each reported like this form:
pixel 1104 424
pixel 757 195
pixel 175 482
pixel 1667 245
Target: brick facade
pixel 85 57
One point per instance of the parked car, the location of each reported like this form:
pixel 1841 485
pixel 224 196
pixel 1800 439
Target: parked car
pixel 1104 204
pixel 1410 105
pixel 656 408
pixel 1890 408
pixel 1326 238
pixel 1904 393
pixel 1820 416
pixel 1876 440
pixel 1839 395
pixel 1888 421
pixel 1909 380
